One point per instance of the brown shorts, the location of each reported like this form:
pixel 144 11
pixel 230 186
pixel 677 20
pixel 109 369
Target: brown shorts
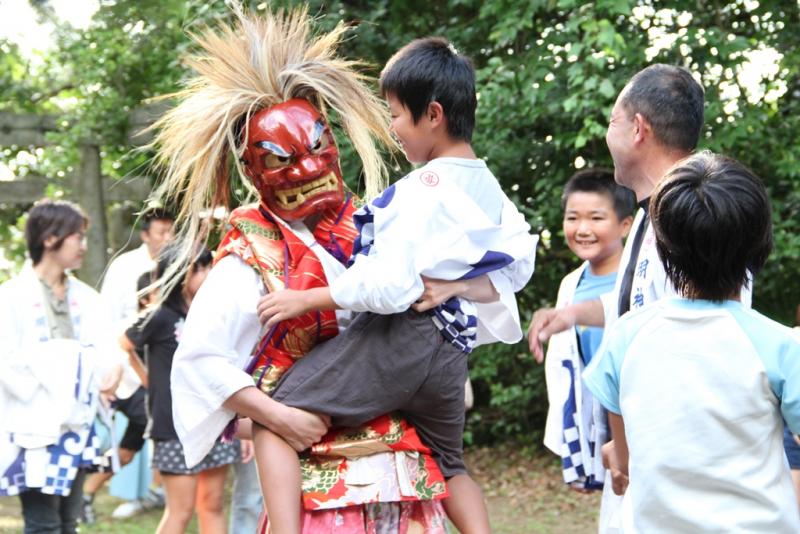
pixel 381 364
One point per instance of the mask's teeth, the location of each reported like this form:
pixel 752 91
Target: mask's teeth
pixel 321 185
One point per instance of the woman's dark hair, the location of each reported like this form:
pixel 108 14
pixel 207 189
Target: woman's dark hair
pixel 202 259
pixel 48 218
pixel 600 180
pixel 430 70
pixel 174 298
pixel 713 224
pixel 143 285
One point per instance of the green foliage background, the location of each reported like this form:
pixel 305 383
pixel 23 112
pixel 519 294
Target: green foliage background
pixel 548 74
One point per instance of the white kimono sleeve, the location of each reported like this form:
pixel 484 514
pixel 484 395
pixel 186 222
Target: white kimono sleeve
pixel 221 330
pixel 499 320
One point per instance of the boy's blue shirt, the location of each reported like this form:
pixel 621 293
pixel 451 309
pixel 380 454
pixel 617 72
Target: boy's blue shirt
pixel 777 347
pixel 591 286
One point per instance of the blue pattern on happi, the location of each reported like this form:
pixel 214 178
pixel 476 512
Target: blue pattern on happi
pixel 571 458
pixel 491 261
pixel 74 450
pixel 456 326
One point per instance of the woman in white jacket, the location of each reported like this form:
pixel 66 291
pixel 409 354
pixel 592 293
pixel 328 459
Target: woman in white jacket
pixel 54 363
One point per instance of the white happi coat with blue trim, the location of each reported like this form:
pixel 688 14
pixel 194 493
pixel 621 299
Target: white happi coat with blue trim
pixel 448 220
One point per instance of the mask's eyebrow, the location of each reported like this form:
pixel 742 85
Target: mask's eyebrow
pixel 319 129
pixel 272 147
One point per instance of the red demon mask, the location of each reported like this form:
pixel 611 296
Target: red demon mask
pixel 293 161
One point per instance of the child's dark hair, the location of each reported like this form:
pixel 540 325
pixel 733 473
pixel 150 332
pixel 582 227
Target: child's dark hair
pixel 144 282
pixel 174 297
pixel 713 224
pixel 430 70
pixel 600 180
pixel 49 218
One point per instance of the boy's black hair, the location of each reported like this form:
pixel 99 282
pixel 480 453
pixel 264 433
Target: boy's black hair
pixel 672 102
pixel 430 70
pixel 47 218
pixel 601 180
pixel 155 214
pixel 713 224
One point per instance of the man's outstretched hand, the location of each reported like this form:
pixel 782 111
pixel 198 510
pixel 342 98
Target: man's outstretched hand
pixel 544 324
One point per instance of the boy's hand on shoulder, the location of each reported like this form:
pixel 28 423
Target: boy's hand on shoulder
pixel 280 305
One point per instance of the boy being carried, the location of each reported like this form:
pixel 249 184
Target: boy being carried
pixel 448 220
pixel 597 216
pixel 702 383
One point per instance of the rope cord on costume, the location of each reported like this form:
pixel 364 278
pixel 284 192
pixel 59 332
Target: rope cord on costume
pixel 335 248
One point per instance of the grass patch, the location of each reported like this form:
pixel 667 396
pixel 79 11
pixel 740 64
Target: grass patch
pixel 524 493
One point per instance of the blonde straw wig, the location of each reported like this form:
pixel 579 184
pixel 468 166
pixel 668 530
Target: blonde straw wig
pixel 260 61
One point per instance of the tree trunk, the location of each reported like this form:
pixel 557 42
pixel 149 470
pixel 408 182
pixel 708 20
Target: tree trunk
pixel 88 190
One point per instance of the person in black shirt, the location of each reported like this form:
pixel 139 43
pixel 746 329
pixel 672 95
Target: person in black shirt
pixel 157 335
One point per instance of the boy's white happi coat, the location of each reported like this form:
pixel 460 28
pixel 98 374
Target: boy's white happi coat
pixel 449 220
pixel 563 347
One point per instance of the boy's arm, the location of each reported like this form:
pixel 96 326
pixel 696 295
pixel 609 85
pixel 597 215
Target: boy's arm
pixel 136 363
pixel 615 454
pixel 277 306
pixel 437 291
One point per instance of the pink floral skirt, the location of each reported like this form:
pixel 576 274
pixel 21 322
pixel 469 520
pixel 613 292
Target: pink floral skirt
pixel 410 517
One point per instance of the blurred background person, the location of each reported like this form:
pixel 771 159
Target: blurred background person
pixel 119 292
pixel 54 363
pixel 157 334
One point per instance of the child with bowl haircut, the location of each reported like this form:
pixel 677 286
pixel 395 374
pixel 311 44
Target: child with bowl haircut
pixel 697 386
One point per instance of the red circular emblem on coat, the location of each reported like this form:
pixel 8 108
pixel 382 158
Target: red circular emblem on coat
pixel 429 178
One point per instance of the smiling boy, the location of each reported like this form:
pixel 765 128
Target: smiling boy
pixel 597 216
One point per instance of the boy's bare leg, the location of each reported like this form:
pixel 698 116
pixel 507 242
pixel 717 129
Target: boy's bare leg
pixel 465 506
pixel 95 481
pixel 281 480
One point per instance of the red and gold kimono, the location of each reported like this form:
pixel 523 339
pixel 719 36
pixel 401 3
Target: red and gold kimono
pixel 343 469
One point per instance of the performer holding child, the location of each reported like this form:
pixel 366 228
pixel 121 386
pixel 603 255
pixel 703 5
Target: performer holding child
pixel 263 93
